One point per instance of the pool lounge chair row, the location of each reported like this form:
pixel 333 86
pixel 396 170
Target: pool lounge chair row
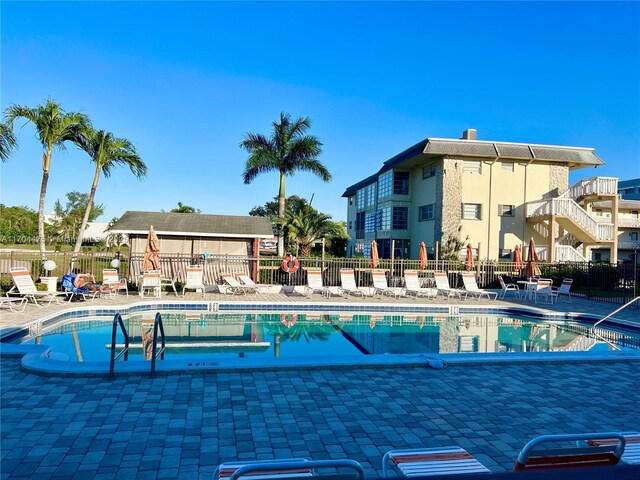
pixel 592 455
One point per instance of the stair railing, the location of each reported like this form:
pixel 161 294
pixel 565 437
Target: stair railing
pixel 117 322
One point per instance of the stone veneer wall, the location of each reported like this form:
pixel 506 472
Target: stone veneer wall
pixel 558 179
pixel 448 216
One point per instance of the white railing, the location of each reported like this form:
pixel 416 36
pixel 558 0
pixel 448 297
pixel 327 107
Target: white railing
pixel 568 239
pixel 629 222
pixel 567 207
pixel 628 245
pixel 566 253
pixel 594 186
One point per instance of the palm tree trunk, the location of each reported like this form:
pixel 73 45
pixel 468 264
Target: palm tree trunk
pixel 46 161
pixel 281 208
pixel 85 219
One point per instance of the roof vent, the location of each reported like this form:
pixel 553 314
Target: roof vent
pixel 470 134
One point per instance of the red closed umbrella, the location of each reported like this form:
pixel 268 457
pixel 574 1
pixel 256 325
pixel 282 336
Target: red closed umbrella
pixel 375 260
pixel 469 259
pixel 517 258
pixel 151 252
pixel 422 256
pixel 532 269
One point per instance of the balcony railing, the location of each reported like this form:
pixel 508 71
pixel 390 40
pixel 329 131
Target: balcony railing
pixel 594 186
pixel 629 222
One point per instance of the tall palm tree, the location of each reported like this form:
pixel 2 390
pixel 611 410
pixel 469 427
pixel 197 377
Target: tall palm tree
pixel 307 225
pixel 288 150
pixel 54 127
pixel 106 152
pixel 8 141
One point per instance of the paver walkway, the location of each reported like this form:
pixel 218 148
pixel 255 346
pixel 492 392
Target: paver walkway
pixel 182 426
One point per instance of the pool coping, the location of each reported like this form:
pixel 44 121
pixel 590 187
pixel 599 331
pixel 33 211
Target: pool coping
pixel 41 359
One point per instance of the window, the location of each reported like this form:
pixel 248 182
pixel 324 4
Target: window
pixel 400 218
pixel 505 254
pixel 471 166
pixel 597 257
pixel 471 211
pixel 385 218
pixel 425 213
pixel 429 171
pixel 634 236
pixel 360 195
pixel 598 212
pixel 350 225
pixel 371 195
pixel 350 200
pixel 508 167
pixel 359 248
pixel 385 184
pixel 401 183
pixel 507 210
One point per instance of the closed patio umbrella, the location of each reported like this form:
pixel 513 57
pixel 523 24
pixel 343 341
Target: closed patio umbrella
pixel 422 256
pixel 375 260
pixel 532 269
pixel 517 258
pixel 151 252
pixel 469 260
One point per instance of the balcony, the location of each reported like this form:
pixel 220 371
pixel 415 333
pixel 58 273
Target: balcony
pixel 628 245
pixel 629 222
pixel 595 186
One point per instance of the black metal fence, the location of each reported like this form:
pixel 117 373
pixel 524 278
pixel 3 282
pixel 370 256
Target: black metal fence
pixel 615 284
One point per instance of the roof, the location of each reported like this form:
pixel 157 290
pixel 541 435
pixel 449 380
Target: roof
pixel 622 204
pixel 575 157
pixel 193 224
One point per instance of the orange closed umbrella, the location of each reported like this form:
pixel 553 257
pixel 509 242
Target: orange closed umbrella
pixel 375 260
pixel 422 256
pixel 532 269
pixel 517 258
pixel 469 260
pixel 152 251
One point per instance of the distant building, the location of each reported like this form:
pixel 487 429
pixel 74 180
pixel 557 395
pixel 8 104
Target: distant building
pixel 629 189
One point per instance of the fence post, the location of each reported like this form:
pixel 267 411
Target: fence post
pixel 624 283
pixel 589 280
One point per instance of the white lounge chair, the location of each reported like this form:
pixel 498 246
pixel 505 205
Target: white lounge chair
pixel 381 287
pixel 564 289
pixel 195 279
pixel 426 462
pixel 24 287
pixel 349 287
pixel 16 301
pixel 508 287
pixel 151 280
pixel 113 281
pixel 235 287
pixel 314 283
pixel 412 285
pixel 442 286
pixel 470 285
pixel 261 287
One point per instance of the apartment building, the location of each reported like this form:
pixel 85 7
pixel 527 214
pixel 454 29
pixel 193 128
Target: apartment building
pixel 496 194
pixel 628 232
pixel 629 189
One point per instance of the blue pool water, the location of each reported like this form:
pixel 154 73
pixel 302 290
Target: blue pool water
pixel 199 335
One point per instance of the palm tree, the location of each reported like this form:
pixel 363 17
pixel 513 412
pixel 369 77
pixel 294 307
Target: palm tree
pixel 307 225
pixel 106 151
pixel 182 208
pixel 54 127
pixel 7 141
pixel 288 150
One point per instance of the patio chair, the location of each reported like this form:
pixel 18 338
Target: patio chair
pixel 380 285
pixel 73 292
pixel 544 289
pixel 314 283
pixel 194 279
pixel 442 286
pixel 412 285
pixel 631 455
pixel 111 279
pixel 425 462
pixel 568 451
pixel 235 287
pixel 287 468
pixel 470 285
pixel 169 281
pixel 24 287
pixel 564 289
pixel 508 287
pixel 11 302
pixel 246 280
pixel 151 280
pixel 348 284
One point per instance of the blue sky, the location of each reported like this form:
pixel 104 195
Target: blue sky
pixel 185 81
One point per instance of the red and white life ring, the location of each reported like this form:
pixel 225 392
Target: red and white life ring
pixel 288 322
pixel 290 264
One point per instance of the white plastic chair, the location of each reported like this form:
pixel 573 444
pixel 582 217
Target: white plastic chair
pixel 564 289
pixel 314 283
pixel 442 286
pixel 151 280
pixel 412 285
pixel 25 287
pixel 380 285
pixel 349 287
pixel 194 280
pixel 544 289
pixel 113 281
pixel 233 286
pixel 470 285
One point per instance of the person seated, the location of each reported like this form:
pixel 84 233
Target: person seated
pixel 86 281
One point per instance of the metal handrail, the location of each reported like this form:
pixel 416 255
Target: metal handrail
pixel 593 328
pixel 117 322
pixel 155 352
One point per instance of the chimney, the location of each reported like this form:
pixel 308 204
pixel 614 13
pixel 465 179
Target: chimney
pixel 470 134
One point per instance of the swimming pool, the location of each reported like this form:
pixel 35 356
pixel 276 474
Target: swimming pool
pixel 285 336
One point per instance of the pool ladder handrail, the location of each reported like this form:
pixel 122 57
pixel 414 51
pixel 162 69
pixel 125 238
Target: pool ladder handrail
pixel 117 322
pixel 593 327
pixel 155 352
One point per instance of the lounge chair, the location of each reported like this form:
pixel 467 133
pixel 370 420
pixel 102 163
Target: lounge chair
pixel 314 283
pixel 631 455
pixel 73 292
pixel 470 285
pixel 425 462
pixel 194 279
pixel 16 301
pixel 24 287
pixel 544 289
pixel 442 286
pixel 564 289
pixel 111 279
pixel 246 280
pixel 380 285
pixel 151 280
pixel 412 285
pixel 349 287
pixel 508 287
pixel 286 468
pixel 235 287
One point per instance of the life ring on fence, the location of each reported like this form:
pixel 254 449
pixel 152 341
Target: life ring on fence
pixel 290 264
pixel 288 323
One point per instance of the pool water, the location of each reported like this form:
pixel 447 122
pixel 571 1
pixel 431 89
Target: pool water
pixel 201 335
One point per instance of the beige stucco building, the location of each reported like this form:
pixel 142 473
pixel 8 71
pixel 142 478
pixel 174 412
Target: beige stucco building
pixel 497 194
